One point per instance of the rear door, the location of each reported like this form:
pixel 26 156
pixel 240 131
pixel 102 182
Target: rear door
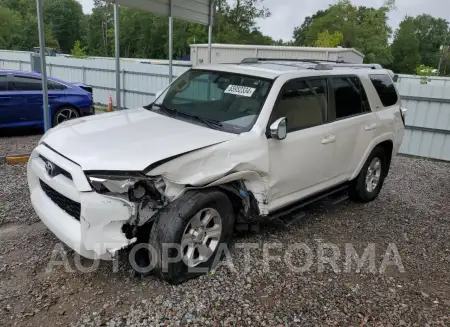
pixel 7 113
pixel 354 124
pixel 27 98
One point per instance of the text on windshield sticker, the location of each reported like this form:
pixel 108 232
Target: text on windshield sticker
pixel 240 90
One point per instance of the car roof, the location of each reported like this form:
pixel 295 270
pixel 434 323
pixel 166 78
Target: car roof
pixel 31 74
pixel 272 69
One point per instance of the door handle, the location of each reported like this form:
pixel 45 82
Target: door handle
pixel 370 127
pixel 329 139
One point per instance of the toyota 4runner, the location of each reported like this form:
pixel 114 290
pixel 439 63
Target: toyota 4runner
pixel 222 145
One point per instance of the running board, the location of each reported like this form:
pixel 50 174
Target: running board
pixel 292 213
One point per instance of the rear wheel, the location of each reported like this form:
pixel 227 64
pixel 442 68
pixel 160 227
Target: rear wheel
pixel 63 114
pixel 368 184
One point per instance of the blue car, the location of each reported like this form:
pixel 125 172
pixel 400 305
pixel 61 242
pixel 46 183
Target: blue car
pixel 21 100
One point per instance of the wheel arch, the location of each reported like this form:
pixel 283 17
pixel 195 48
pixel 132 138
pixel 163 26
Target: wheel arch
pixel 243 186
pixel 64 105
pixel 386 141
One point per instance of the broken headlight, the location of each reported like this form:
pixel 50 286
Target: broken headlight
pixel 132 188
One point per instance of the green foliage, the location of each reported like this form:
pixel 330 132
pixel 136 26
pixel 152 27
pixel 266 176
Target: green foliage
pixel 18 26
pixel 424 72
pixel 365 29
pixel 65 18
pixel 431 33
pixel 418 40
pixel 78 51
pixel 327 40
pixel 405 48
pixel 10 25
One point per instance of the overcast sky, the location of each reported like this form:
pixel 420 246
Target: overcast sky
pixel 286 14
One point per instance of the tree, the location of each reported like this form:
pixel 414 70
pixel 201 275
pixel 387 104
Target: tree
pixel 325 39
pixel 365 29
pixel 300 32
pixel 431 33
pixel 405 48
pixel 65 18
pixel 78 51
pixel 10 28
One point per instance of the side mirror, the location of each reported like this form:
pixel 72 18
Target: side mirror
pixel 278 129
pixel 395 78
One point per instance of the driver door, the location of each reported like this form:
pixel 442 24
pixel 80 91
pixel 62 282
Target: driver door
pixel 301 162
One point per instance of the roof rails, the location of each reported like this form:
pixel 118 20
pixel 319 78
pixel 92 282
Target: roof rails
pixel 322 62
pixel 313 61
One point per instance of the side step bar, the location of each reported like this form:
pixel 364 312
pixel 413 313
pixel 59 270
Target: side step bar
pixel 292 213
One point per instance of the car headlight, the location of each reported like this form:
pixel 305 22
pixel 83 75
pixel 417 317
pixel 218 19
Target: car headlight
pixel 132 188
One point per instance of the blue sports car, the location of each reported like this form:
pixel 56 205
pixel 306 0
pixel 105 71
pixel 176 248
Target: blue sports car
pixel 21 100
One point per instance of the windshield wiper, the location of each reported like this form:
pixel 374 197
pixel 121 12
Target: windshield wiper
pixel 163 107
pixel 209 122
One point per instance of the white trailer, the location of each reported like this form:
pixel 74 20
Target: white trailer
pixel 234 53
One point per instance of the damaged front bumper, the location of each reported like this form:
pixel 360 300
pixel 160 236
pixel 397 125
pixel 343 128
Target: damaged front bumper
pixel 88 222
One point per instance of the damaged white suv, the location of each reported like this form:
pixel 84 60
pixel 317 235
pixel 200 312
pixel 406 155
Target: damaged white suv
pixel 222 145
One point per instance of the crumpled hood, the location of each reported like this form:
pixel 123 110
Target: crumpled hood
pixel 128 140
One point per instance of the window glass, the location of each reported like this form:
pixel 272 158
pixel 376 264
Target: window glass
pixel 22 83
pixel 52 85
pixel 385 89
pixel 233 100
pixel 3 83
pixel 349 96
pixel 303 103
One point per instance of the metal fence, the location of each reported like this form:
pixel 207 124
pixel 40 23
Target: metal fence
pixel 427 119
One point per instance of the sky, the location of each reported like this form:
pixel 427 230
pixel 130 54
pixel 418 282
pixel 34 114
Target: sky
pixel 287 14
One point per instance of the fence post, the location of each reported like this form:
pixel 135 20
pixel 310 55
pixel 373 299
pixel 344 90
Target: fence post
pixel 84 75
pixel 20 64
pixel 123 88
pixel 50 69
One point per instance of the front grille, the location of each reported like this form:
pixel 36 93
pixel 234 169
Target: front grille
pixel 71 207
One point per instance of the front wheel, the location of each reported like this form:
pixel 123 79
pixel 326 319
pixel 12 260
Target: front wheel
pixel 368 184
pixel 195 229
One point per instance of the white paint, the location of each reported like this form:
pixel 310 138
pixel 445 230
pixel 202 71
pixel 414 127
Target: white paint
pixel 277 172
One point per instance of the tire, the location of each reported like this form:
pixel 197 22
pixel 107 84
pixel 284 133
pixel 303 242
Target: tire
pixel 175 223
pixel 363 192
pixel 63 114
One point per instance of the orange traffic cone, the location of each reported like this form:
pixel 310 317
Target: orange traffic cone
pixel 110 104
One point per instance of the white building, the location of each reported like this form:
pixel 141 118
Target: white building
pixel 234 53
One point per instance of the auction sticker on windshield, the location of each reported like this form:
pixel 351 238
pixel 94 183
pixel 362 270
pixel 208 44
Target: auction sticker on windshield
pixel 240 90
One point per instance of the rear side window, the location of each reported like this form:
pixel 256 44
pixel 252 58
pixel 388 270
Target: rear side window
pixel 303 103
pixel 56 86
pixel 3 83
pixel 385 89
pixel 22 83
pixel 349 96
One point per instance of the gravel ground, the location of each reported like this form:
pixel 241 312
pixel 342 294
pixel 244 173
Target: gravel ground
pixel 17 145
pixel 412 212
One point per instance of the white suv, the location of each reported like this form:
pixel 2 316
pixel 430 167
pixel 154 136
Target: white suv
pixel 222 145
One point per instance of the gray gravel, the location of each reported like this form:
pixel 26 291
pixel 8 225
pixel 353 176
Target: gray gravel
pixel 17 145
pixel 412 212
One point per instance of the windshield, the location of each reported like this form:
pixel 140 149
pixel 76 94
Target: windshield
pixel 231 101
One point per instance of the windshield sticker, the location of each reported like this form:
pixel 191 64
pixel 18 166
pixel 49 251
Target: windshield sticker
pixel 240 90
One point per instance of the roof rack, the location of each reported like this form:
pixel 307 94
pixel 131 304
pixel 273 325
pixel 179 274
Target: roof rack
pixel 328 63
pixel 313 61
